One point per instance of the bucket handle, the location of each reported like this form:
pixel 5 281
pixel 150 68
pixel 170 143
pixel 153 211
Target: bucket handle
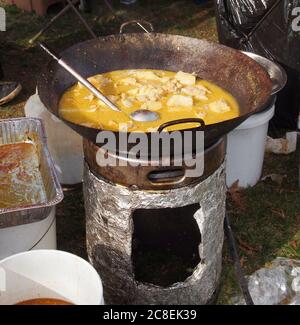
pixel 140 23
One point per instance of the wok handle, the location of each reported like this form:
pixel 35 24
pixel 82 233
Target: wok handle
pixel 140 23
pixel 182 121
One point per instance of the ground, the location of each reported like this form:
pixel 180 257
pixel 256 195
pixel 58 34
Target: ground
pixel 265 218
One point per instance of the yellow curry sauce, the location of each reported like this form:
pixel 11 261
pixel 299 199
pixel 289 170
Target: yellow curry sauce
pixel 173 95
pixel 44 301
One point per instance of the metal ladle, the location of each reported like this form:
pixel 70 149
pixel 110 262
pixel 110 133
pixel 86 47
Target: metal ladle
pixel 141 115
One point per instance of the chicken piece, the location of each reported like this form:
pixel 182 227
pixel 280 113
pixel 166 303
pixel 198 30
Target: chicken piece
pixel 219 106
pixel 92 108
pixel 124 127
pixel 130 124
pixel 128 81
pixel 129 72
pixel 80 85
pixel 152 129
pixel 201 97
pixel 180 100
pixel 155 94
pixel 101 104
pixel 206 90
pixel 141 98
pixel 165 79
pixel 146 75
pixel 170 87
pixel 113 98
pixel 185 78
pixel 201 114
pixel 89 97
pixel 126 102
pixel 113 124
pixel 178 85
pixel 150 93
pixel 133 91
pixel 195 91
pixel 152 106
pixel 99 80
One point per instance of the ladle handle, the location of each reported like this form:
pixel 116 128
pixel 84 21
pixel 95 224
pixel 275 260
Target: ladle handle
pixel 182 121
pixel 82 80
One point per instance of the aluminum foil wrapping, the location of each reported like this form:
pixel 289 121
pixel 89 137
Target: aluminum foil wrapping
pixel 20 130
pixel 279 283
pixel 109 238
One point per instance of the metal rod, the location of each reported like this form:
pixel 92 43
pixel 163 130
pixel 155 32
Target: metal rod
pixel 71 4
pixel 109 6
pixel 51 21
pixel 237 265
pixel 265 16
pixel 83 21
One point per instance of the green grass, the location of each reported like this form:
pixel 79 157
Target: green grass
pixel 23 61
pixel 167 16
pixel 268 225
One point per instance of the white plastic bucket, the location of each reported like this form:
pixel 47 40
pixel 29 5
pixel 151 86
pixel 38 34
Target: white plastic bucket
pixel 49 274
pixel 36 235
pixel 246 149
pixel 64 144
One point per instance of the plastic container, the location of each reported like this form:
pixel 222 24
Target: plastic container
pixel 246 149
pixel 64 144
pixel 49 274
pixel 22 238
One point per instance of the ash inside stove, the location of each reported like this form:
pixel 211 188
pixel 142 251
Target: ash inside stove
pixel 165 247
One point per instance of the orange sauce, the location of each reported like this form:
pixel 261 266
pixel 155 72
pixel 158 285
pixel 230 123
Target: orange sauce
pixel 172 95
pixel 44 301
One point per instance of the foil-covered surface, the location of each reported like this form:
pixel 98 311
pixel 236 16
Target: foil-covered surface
pixel 109 229
pixel 277 283
pixel 31 129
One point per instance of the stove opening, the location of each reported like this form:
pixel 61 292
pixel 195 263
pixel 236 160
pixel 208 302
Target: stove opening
pixel 165 244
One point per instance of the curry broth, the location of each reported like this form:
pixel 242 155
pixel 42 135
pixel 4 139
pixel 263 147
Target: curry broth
pixel 172 95
pixel 44 301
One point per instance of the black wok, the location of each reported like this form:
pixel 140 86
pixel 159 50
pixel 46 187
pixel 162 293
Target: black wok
pixel 245 79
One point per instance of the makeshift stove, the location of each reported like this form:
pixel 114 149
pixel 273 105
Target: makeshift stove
pixel 154 235
pixel 155 242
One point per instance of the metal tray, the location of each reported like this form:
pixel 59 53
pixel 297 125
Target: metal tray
pixel 20 130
